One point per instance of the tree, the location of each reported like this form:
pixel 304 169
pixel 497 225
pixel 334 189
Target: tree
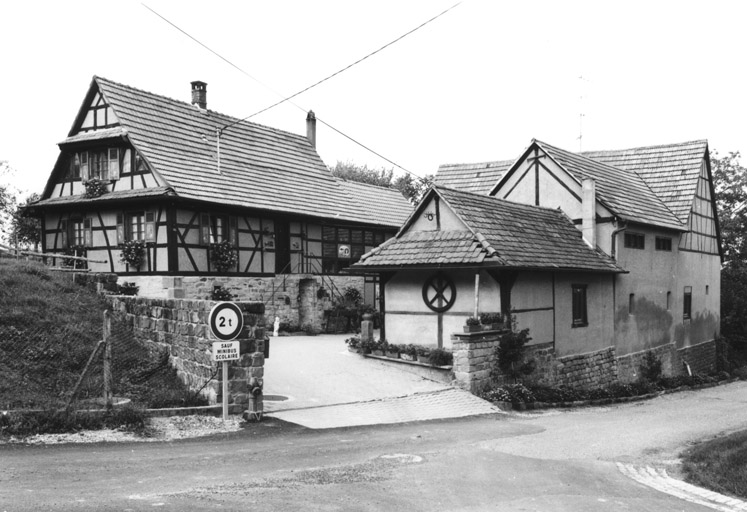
pixel 411 188
pixel 25 229
pixel 7 201
pixel 730 184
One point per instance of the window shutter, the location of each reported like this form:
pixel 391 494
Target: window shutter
pixel 127 161
pixel 204 229
pixel 63 234
pixel 150 226
pixel 84 166
pixel 87 233
pixel 120 229
pixel 113 163
pixel 233 231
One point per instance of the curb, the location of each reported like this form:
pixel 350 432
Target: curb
pixel 508 406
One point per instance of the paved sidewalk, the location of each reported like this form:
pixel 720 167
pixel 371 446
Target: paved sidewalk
pixel 661 481
pixel 446 403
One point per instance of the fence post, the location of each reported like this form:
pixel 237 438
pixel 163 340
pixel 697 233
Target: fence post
pixel 107 360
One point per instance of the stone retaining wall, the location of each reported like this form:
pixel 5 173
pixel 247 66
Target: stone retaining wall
pixel 181 327
pixel 292 297
pixel 474 358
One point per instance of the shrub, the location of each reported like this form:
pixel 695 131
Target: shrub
pixel 491 318
pixel 352 296
pixel 650 367
pixel 128 288
pixel 221 294
pixel 224 256
pixel 496 395
pixel 509 354
pixel 440 357
pixel 472 321
pixel 519 394
pixel 321 293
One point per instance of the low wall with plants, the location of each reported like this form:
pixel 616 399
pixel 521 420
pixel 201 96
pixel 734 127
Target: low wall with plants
pixel 181 328
pixel 477 362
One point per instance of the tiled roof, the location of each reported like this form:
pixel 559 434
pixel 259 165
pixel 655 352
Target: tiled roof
pixel 107 133
pixel 479 178
pixel 671 170
pixel 260 167
pixel 379 202
pixel 502 234
pixel 621 190
pixel 120 194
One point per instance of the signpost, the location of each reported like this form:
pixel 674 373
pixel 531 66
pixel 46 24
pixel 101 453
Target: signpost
pixel 226 322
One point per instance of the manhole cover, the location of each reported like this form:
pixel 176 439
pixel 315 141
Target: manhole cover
pixel 275 398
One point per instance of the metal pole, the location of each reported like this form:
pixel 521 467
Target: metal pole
pixel 225 390
pixel 107 360
pixel 477 293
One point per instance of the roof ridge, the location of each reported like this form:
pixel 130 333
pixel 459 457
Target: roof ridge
pixel 364 184
pixel 190 105
pixel 499 199
pixel 673 144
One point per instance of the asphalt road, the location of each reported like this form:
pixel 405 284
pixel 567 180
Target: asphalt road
pixel 553 461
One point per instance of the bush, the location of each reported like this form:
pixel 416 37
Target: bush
pixel 28 423
pixel 519 394
pixel 650 367
pixel 472 321
pixel 128 289
pixel 353 296
pixel 509 355
pixel 496 395
pixel 440 357
pixel 221 294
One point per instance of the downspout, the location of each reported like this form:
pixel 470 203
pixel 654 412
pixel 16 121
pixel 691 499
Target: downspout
pixel 218 133
pixel 613 242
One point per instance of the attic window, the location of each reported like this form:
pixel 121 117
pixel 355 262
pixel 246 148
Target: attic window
pixel 99 115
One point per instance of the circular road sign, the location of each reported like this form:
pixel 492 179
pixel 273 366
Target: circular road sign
pixel 226 321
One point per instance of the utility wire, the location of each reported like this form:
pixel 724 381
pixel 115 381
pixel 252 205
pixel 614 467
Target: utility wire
pixel 289 98
pixel 390 43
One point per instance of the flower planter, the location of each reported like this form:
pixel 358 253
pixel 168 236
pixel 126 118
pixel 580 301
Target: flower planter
pixel 392 355
pixel 424 358
pixel 377 352
pixel 407 357
pixel 472 328
pixel 353 349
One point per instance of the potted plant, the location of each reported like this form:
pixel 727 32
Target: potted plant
pixel 95 188
pixel 379 347
pixel 424 353
pixel 491 321
pixel 354 344
pixel 472 325
pixel 392 351
pixel 223 256
pixel 133 253
pixel 408 353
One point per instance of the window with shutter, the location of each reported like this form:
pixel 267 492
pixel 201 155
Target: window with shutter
pixel 150 226
pixel 120 229
pixel 113 163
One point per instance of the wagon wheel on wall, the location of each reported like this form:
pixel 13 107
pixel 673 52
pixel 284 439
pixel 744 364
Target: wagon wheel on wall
pixel 439 293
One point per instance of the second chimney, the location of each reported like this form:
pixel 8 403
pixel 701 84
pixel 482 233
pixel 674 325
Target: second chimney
pixel 199 94
pixel 588 211
pixel 311 128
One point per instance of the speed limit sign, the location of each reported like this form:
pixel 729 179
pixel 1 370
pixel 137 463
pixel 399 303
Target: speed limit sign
pixel 226 321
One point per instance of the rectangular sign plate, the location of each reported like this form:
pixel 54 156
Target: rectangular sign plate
pixel 225 350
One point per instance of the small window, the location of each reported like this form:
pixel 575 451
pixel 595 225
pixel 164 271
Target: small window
pixel 669 301
pixel 631 304
pixel 100 165
pixel 706 289
pixel 578 292
pixel 136 226
pixel 663 244
pixel 635 240
pixel 687 303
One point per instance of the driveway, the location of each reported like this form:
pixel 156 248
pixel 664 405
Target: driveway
pixel 328 386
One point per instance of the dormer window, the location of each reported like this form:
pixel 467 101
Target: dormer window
pixel 101 164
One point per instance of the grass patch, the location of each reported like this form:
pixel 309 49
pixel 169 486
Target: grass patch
pixel 49 327
pixel 719 465
pixel 28 423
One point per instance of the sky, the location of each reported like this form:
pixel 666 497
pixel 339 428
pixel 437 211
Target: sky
pixel 476 84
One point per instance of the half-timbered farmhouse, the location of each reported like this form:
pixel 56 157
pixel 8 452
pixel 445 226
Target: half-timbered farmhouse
pixel 178 199
pixel 608 252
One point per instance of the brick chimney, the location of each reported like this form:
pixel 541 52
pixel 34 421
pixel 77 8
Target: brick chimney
pixel 589 211
pixel 199 94
pixel 311 128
